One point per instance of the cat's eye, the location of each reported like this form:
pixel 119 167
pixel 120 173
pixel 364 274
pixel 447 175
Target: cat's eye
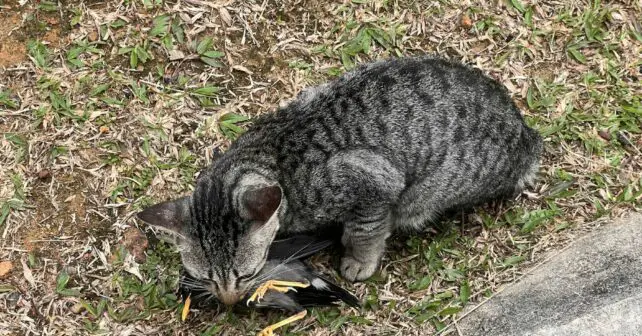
pixel 245 277
pixel 248 276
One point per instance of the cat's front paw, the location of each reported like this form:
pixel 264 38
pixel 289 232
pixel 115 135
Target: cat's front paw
pixel 354 270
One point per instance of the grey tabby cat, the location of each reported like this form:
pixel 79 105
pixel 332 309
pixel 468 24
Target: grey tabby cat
pixel 388 146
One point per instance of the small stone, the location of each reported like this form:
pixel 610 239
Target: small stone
pixel 77 308
pixel 465 21
pixel 43 174
pixel 176 55
pixel 12 299
pixel 604 134
pixel 624 140
pixel 5 268
pixel 93 36
pixel 617 16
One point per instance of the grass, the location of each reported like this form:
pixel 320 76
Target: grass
pixel 116 105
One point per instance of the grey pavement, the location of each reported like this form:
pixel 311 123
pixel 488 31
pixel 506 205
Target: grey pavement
pixel 592 288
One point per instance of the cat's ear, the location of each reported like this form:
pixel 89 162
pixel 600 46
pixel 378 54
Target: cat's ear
pixel 168 216
pixel 260 204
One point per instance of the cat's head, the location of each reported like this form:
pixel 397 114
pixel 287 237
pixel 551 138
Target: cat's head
pixel 223 231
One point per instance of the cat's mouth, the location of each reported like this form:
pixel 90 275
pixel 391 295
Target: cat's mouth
pixel 230 298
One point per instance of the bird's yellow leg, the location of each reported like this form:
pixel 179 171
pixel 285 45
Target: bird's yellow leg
pixel 186 307
pixel 277 285
pixel 269 331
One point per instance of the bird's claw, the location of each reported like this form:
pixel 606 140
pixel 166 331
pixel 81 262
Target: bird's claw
pixel 276 285
pixel 269 331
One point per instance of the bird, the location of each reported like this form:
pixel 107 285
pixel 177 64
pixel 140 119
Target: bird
pixel 286 282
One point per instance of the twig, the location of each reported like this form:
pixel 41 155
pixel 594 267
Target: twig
pixel 457 328
pixel 202 3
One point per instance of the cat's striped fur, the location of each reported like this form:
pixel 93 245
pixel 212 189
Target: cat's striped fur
pixel 390 145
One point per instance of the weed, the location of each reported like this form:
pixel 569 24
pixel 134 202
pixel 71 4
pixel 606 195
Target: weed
pixel 206 53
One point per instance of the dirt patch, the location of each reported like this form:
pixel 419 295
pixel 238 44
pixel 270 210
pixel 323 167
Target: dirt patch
pixel 64 217
pixel 12 51
pixel 52 36
pixel 37 236
pixel 136 243
pixel 77 205
pixel 23 23
pixel 545 71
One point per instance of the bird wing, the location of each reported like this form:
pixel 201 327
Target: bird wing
pixel 323 292
pixel 320 292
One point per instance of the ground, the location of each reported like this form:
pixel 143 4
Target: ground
pixel 109 106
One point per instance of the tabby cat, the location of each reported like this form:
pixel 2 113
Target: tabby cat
pixel 390 145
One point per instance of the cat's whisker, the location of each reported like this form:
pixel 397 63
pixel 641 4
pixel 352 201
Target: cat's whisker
pixel 287 260
pixel 194 287
pixel 190 281
pixel 194 284
pixel 269 274
pixel 272 273
pixel 187 280
pixel 207 295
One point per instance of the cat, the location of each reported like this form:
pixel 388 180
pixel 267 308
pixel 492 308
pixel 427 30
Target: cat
pixel 388 146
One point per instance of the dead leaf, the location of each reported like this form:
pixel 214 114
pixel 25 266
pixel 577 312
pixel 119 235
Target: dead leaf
pixel 465 21
pixel 225 16
pixel 131 266
pixel 243 69
pixel 27 273
pixel 5 268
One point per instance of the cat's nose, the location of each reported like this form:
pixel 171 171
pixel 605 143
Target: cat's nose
pixel 229 297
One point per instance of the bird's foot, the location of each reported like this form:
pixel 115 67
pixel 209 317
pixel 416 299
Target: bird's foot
pixel 269 331
pixel 277 285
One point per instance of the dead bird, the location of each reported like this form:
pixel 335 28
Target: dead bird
pixel 292 287
pixel 290 249
pixel 286 282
